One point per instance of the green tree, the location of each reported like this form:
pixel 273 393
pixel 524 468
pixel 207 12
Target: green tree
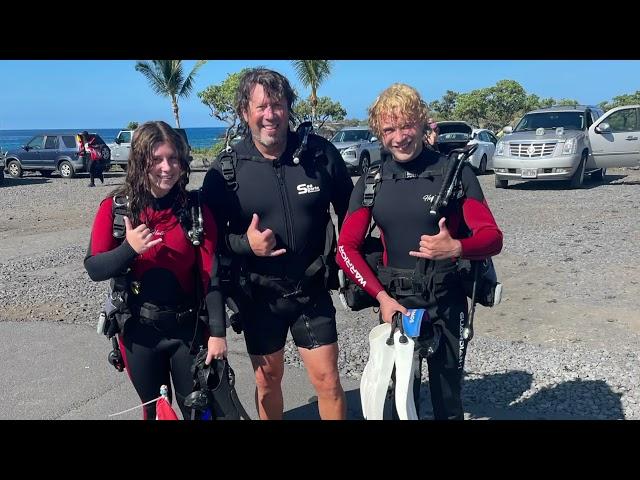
pixel 326 110
pixel 220 99
pixel 443 110
pixel 312 73
pixel 472 107
pixel 166 78
pixel 132 126
pixel 504 101
pixel 620 100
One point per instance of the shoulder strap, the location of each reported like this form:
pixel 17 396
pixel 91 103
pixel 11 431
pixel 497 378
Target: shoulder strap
pixel 228 161
pixel 303 131
pixel 371 181
pixel 119 209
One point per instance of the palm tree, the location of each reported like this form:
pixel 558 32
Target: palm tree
pixel 167 79
pixel 312 73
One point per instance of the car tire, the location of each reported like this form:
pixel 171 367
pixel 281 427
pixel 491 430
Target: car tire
pixel 14 169
pixel 578 176
pixel 499 183
pixel 599 175
pixel 106 154
pixel 66 169
pixel 365 162
pixel 123 167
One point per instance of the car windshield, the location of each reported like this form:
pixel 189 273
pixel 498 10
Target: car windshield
pixel 551 120
pixel 351 136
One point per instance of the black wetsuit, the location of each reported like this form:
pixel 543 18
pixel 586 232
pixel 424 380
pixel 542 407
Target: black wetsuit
pixel 401 211
pixel 154 350
pixel 293 201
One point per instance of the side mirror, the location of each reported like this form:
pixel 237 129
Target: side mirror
pixel 117 140
pixel 507 130
pixel 604 127
pixel 26 148
pixel 373 139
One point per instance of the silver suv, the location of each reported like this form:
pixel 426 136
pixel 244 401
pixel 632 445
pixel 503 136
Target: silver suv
pixel 548 144
pixel 358 146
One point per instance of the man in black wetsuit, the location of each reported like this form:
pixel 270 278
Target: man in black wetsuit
pixel 274 207
pixel 420 249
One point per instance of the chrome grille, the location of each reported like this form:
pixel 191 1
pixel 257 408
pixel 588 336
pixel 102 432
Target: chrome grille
pixel 526 150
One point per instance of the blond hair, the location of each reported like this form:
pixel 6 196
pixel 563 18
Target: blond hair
pixel 399 101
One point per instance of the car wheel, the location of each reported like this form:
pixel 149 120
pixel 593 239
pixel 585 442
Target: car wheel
pixel 364 162
pixel 14 169
pixel 501 183
pixel 599 175
pixel 106 153
pixel 578 177
pixel 124 167
pixel 66 170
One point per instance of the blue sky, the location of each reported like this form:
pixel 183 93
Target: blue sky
pixel 110 93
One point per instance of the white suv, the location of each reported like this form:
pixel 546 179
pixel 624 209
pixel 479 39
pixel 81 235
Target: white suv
pixel 358 146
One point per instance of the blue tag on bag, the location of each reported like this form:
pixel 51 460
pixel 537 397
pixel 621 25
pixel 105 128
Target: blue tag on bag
pixel 412 322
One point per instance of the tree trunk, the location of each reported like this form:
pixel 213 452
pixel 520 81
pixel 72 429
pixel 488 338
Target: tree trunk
pixel 176 115
pixel 314 104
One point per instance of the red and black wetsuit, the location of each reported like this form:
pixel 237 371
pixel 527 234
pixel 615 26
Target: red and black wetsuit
pixel 95 165
pixel 167 275
pixel 401 211
pixel 293 200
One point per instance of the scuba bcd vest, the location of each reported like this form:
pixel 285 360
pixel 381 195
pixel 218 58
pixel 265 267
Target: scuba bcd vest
pixel 115 311
pixel 478 278
pixel 237 282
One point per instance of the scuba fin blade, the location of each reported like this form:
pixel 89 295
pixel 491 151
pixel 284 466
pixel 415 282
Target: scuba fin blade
pixel 405 368
pixel 377 373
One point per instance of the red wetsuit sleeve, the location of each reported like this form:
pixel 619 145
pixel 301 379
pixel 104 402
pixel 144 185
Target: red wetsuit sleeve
pixel 352 235
pixel 106 257
pixel 486 238
pixel 102 239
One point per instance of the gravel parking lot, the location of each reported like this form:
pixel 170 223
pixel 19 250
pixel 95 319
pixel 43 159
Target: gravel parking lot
pixel 563 343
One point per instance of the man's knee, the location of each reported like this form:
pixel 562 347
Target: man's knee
pixel 269 374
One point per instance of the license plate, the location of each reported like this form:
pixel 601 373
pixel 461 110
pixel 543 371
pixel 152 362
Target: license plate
pixel 529 173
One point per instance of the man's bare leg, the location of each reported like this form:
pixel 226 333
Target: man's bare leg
pixel 322 368
pixel 269 370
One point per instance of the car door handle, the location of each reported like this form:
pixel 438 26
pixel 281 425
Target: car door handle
pixel 631 138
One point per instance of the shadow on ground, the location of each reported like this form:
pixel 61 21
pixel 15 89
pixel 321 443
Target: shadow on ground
pixel 487 398
pixel 564 185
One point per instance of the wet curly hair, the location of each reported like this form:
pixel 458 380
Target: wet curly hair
pixel 136 186
pixel 397 101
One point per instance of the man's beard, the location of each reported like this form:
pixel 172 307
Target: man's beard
pixel 270 141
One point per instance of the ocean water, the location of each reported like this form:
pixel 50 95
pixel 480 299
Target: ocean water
pixel 203 137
